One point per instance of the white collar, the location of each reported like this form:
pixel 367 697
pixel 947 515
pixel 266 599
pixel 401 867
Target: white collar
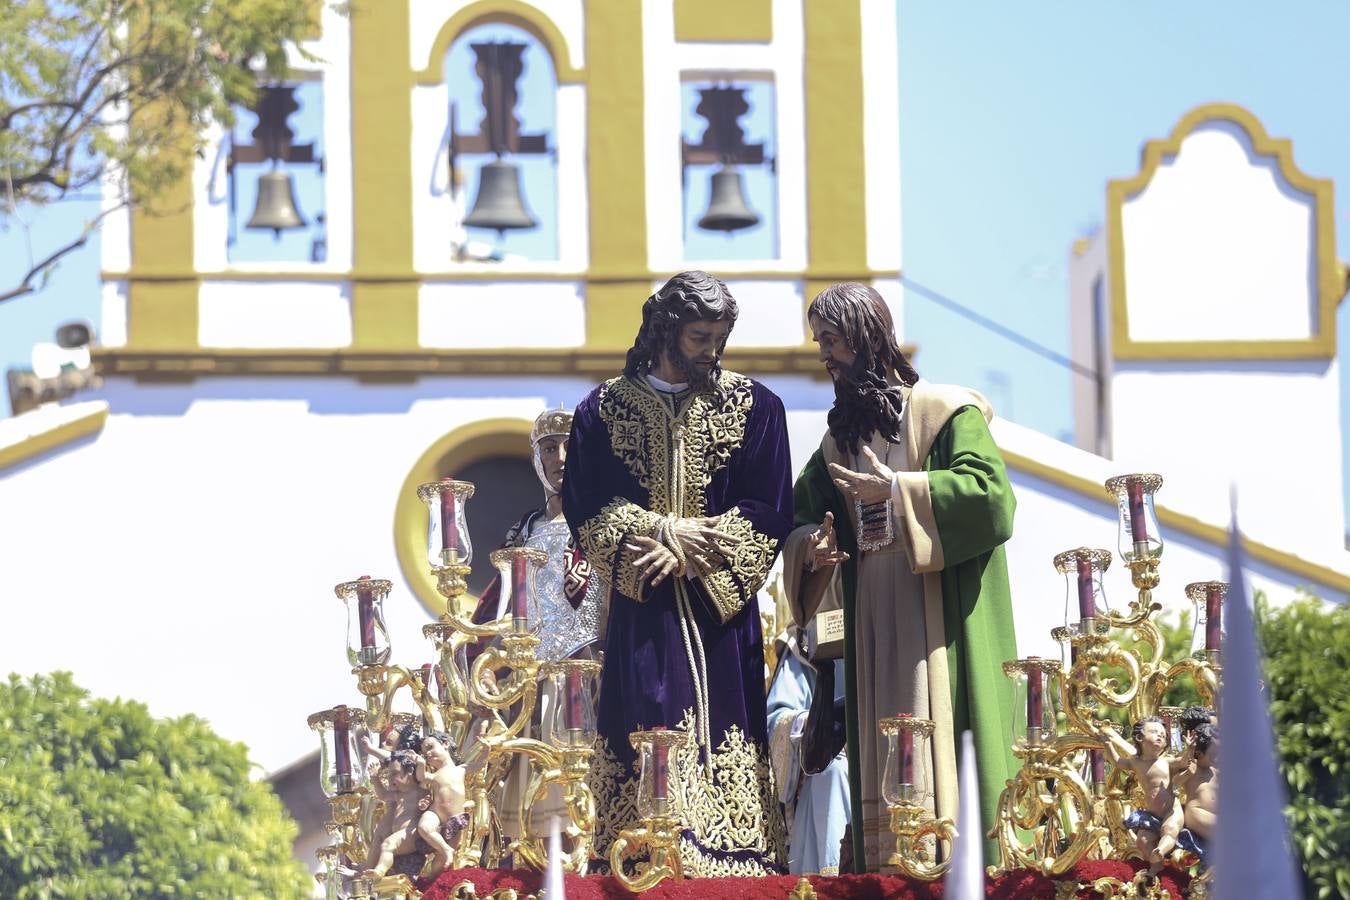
pixel 666 387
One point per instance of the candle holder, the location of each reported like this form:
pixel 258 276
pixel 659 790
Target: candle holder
pixel 449 550
pixel 1207 636
pixel 905 788
pixel 368 650
pixel 342 777
pixel 1082 569
pixel 1141 543
pixel 1048 800
pixel 367 635
pixel 659 834
pixel 564 760
pixel 515 653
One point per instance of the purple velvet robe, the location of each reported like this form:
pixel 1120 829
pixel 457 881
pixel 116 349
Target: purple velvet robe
pixel 632 460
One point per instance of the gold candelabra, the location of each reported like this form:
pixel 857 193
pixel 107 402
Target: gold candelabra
pixel 1049 816
pixel 501 688
pixel 659 835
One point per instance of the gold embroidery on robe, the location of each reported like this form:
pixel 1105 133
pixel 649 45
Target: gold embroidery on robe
pixel 602 540
pixel 735 585
pixel 735 812
pixel 640 435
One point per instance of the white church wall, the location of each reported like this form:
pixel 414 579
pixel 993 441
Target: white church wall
pixel 308 314
pixel 186 555
pixel 501 314
pixel 1217 246
pixel 1205 424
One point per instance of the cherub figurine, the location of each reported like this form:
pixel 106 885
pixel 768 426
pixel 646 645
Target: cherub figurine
pixel 444 817
pixel 1201 784
pixel 404 799
pixel 1158 823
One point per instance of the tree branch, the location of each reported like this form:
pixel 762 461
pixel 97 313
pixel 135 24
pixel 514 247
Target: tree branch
pixel 26 287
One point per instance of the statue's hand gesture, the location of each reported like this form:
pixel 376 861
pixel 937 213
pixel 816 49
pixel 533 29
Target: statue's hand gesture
pixel 654 558
pixel 869 487
pixel 824 546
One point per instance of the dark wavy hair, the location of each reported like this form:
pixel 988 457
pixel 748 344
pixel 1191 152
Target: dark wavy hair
pixel 1205 736
pixel 1194 716
pixel 686 297
pixel 1137 732
pixel 865 400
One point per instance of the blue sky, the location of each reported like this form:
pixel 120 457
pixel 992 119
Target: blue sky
pixel 1013 117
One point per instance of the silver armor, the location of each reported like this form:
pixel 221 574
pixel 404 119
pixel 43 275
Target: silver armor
pixel 563 630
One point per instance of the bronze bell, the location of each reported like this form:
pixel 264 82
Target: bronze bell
pixel 727 209
pixel 276 203
pixel 499 204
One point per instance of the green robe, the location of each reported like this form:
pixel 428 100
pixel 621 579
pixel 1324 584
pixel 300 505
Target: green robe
pixel 973 506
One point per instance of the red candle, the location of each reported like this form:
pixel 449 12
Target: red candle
pixel 1213 617
pixel 906 753
pixel 572 712
pixel 1086 605
pixel 1098 767
pixel 365 610
pixel 1138 527
pixel 1035 700
pixel 519 599
pixel 342 753
pixel 426 676
pixel 449 527
pixel 660 767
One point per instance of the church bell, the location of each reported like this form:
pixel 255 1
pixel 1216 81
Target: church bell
pixel 499 204
pixel 727 209
pixel 276 203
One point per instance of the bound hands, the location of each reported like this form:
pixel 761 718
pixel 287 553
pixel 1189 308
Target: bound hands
pixel 692 543
pixel 824 546
pixel 869 487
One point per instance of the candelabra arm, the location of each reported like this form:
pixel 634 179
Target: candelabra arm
pixel 567 769
pixel 910 824
pixel 522 686
pixel 661 836
pixel 379 683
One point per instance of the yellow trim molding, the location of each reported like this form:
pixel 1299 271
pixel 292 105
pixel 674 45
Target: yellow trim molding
pixel 165 314
pixel 615 125
pixel 59 436
pixel 835 165
pixel 1330 281
pixel 1189 525
pixel 384 315
pixel 599 363
pixel 448 455
pixel 744 21
pixel 500 12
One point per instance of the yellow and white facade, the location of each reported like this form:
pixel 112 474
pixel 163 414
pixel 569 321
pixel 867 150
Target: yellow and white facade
pixel 176 537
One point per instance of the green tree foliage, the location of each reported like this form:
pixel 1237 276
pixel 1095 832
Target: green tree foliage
pixel 122 88
pixel 1306 650
pixel 103 801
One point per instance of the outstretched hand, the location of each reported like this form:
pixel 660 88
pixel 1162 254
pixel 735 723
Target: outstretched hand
pixel 825 546
pixel 869 487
